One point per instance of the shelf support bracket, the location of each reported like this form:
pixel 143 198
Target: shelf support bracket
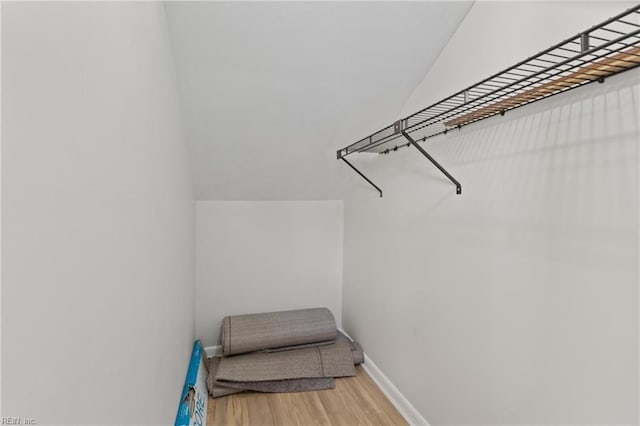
pixel 584 42
pixel 433 161
pixel 363 176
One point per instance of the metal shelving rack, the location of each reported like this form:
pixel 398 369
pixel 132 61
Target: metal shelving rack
pixel 608 48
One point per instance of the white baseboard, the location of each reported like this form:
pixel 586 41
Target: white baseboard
pixel 213 351
pixel 402 404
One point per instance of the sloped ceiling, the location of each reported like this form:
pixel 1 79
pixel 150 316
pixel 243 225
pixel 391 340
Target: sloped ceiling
pixel 270 91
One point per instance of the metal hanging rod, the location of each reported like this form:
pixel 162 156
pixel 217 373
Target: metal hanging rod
pixel 609 48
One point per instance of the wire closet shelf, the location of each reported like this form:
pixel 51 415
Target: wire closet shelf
pixel 608 48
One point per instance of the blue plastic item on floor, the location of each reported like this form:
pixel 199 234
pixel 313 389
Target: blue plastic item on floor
pixel 193 402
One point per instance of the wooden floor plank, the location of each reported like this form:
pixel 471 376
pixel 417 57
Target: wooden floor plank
pixel 295 409
pixel 379 398
pixel 238 410
pixel 260 411
pixel 279 411
pixel 316 408
pixel 211 412
pixel 355 393
pixel 355 401
pixel 377 402
pixel 337 408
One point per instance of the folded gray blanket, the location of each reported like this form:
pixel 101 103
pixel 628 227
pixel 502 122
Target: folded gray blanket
pixel 328 361
pixel 333 360
pixel 254 332
pixel 221 388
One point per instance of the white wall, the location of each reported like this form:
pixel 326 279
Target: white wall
pixel 517 301
pixel 97 220
pixel 259 256
pixel 271 89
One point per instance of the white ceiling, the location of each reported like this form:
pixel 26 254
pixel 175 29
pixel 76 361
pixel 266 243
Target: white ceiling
pixel 270 91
